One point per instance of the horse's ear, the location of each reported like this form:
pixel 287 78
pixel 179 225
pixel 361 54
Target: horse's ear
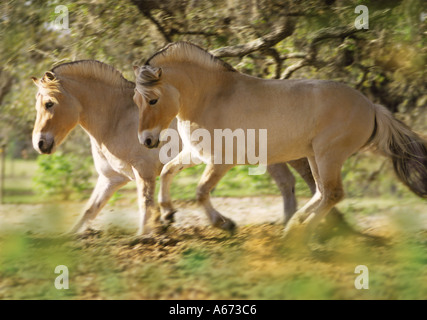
pixel 148 75
pixel 36 81
pixel 155 72
pixel 48 76
pixel 136 70
pixel 158 72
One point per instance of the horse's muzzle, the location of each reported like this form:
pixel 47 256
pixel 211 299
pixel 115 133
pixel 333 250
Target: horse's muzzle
pixel 150 143
pixel 149 138
pixel 43 143
pixel 45 146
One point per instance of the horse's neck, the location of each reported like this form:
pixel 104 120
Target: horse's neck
pixel 195 88
pixel 102 106
pixel 193 83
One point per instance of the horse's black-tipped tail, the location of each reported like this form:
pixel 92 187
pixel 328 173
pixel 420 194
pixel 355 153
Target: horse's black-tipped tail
pixel 407 150
pixel 410 165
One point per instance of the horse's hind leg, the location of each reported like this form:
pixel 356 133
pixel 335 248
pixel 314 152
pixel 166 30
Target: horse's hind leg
pixel 211 176
pixel 302 166
pixel 286 183
pixel 304 212
pixel 331 189
pixel 294 227
pixel 327 173
pixel 335 219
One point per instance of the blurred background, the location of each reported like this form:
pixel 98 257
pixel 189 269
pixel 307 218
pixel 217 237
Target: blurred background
pixel 265 38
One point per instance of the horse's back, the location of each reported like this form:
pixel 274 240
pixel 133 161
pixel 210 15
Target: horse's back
pixel 296 112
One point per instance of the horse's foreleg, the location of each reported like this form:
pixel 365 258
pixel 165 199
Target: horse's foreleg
pixel 180 162
pixel 211 176
pixel 302 166
pixel 104 189
pixel 286 183
pixel 146 188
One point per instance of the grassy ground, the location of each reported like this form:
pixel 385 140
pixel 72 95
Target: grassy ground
pixel 202 263
pixel 193 261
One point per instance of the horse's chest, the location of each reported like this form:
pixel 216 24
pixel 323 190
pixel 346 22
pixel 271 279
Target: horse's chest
pixel 118 165
pixel 196 139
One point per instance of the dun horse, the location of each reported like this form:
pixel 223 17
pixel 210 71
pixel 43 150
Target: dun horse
pixel 324 121
pixel 97 97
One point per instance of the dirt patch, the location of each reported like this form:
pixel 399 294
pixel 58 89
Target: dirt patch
pixel 374 216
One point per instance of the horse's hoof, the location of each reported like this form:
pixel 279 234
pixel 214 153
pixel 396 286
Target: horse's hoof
pixel 169 217
pixel 160 228
pixel 88 233
pixel 295 235
pixel 226 225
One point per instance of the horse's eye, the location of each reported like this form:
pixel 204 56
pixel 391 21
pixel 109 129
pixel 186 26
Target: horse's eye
pixel 153 102
pixel 48 105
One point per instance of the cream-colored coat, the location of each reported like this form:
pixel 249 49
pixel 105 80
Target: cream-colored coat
pixel 324 121
pixel 97 97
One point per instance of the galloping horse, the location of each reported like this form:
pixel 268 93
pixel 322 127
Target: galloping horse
pixel 99 98
pixel 324 121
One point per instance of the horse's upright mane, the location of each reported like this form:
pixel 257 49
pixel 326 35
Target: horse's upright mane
pixel 188 52
pixel 93 69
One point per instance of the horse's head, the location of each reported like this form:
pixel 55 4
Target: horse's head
pixel 158 104
pixel 57 114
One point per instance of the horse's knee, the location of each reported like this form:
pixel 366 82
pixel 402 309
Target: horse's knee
pixel 201 194
pixel 165 174
pixel 169 171
pixel 334 196
pixel 147 199
pixel 90 213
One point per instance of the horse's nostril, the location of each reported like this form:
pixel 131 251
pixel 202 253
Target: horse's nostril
pixel 41 143
pixel 45 146
pixel 147 142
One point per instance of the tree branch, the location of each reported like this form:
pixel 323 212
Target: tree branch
pixel 293 55
pixel 262 43
pixel 146 11
pixel 293 67
pixel 310 57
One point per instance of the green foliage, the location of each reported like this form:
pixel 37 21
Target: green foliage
pixel 63 175
pixel 236 183
pixel 386 62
